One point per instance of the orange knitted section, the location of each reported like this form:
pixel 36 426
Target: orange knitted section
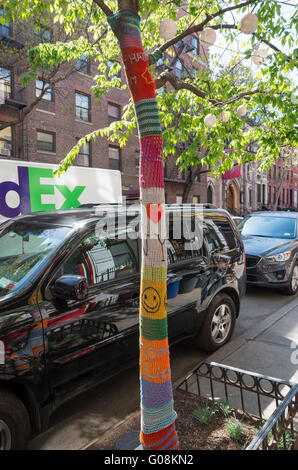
pixel 166 439
pixel 155 360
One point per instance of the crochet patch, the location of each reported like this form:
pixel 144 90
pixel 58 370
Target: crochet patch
pixel 151 162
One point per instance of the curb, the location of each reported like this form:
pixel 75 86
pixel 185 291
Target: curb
pixel 110 430
pixel 271 320
pixel 253 332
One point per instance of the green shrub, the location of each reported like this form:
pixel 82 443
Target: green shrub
pixel 236 430
pixel 288 439
pixel 224 407
pixel 203 415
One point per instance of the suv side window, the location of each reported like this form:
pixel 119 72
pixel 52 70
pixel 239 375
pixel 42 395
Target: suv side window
pixel 227 231
pixel 101 260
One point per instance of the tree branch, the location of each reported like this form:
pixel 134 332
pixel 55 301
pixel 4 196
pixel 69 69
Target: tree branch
pixel 177 84
pixel 32 105
pixel 103 7
pixel 244 94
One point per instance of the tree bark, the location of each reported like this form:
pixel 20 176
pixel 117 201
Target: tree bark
pixel 157 407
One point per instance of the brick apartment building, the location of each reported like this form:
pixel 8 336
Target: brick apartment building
pixel 69 111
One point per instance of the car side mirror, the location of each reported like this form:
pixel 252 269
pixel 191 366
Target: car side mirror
pixel 70 287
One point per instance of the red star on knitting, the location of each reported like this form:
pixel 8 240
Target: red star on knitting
pixel 147 76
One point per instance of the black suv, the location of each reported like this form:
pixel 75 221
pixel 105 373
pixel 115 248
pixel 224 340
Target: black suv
pixel 69 301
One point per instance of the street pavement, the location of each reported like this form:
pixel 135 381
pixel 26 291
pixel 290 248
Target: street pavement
pixel 264 341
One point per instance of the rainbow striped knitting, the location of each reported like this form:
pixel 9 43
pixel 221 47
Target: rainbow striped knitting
pixel 157 406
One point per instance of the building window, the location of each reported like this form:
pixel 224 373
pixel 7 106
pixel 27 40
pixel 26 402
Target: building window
pixel 196 199
pixel 5 29
pixel 83 107
pixel 137 158
pixel 40 85
pixel 114 112
pixel 259 193
pixel 195 45
pixel 179 69
pixel 250 197
pixel 5 85
pixel 83 64
pixel 46 142
pixel 269 194
pixel 160 62
pixel 111 66
pixel 83 158
pixel 209 195
pixel 114 158
pixel 42 34
pixel 179 199
pixel 6 142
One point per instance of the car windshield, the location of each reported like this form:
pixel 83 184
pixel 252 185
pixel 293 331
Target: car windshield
pixel 268 226
pixel 23 248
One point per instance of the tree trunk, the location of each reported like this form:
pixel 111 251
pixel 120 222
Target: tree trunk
pixel 192 174
pixel 187 185
pixel 157 407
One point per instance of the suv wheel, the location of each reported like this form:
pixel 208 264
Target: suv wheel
pixel 14 422
pixel 293 286
pixel 219 324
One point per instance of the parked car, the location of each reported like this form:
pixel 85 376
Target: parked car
pixel 69 301
pixel 271 247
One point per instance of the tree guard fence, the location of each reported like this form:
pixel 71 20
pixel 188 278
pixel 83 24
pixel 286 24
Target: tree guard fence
pixel 273 401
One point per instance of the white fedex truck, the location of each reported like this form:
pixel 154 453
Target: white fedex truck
pixel 30 187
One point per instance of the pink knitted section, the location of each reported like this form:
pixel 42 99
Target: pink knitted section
pixel 151 162
pixel 129 41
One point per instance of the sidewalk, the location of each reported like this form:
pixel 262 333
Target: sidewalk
pixel 269 348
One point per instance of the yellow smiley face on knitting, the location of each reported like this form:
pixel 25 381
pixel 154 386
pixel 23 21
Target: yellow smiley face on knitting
pixel 151 300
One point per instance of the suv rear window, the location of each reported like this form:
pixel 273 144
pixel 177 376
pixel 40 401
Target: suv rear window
pixel 227 231
pixel 185 238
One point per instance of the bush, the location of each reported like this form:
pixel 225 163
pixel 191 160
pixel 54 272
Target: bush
pixel 235 430
pixel 224 407
pixel 203 415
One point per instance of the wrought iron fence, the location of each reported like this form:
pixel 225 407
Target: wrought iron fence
pixel 273 401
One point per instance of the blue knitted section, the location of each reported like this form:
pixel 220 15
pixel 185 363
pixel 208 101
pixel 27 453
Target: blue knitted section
pixel 155 419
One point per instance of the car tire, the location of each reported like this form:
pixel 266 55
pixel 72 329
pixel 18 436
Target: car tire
pixel 14 422
pixel 292 288
pixel 219 324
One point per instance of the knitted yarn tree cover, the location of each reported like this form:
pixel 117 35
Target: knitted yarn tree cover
pixel 157 406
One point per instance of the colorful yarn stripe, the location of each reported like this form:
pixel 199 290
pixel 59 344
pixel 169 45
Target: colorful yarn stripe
pixel 151 154
pixel 166 439
pixel 157 406
pixel 147 117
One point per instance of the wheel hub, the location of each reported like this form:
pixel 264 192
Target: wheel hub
pixel 221 323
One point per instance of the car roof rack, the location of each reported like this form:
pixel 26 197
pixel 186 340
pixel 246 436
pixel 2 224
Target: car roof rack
pixel 90 205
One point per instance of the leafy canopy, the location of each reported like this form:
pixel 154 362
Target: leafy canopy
pixel 267 92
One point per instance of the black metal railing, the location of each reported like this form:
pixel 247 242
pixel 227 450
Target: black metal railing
pixel 273 401
pixel 279 431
